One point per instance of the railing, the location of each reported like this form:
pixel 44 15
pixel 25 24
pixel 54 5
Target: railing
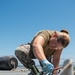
pixel 67 68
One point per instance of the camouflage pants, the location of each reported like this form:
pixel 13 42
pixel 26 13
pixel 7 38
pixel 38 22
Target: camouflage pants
pixel 25 55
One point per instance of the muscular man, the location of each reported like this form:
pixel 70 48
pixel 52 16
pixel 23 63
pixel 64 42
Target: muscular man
pixel 46 46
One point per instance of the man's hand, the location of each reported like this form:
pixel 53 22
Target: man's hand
pixel 47 67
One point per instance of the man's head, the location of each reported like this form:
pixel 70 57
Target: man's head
pixel 59 40
pixel 64 38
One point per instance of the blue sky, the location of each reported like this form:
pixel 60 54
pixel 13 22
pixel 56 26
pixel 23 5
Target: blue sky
pixel 21 19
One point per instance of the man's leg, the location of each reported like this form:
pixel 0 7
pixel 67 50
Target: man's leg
pixel 22 53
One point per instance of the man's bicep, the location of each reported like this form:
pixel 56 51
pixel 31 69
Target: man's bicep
pixel 39 40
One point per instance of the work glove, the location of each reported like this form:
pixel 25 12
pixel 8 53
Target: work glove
pixel 47 67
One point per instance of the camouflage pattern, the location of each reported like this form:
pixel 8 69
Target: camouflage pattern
pixel 23 54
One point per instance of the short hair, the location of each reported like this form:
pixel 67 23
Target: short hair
pixel 64 39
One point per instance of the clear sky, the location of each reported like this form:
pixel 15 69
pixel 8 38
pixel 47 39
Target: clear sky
pixel 21 19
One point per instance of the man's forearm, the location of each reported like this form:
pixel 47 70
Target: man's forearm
pixel 56 64
pixel 56 59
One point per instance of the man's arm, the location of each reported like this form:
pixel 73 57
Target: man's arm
pixel 38 48
pixel 38 51
pixel 56 59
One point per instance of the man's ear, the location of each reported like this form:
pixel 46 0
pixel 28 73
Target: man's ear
pixel 55 35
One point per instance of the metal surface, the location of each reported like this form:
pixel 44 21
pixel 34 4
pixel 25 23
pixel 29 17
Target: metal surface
pixel 67 68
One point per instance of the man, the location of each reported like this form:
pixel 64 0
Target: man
pixel 46 46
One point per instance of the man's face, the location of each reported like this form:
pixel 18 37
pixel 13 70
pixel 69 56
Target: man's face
pixel 54 44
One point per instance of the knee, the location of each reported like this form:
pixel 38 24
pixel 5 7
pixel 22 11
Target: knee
pixel 17 54
pixel 21 50
pixel 18 50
